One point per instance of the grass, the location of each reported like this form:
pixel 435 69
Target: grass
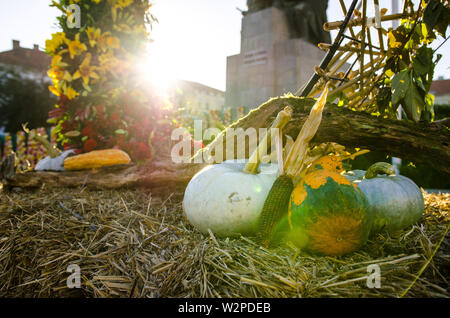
pixel 129 243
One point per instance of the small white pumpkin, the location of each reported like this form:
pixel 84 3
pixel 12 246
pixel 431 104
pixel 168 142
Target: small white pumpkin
pixel 227 200
pixel 53 164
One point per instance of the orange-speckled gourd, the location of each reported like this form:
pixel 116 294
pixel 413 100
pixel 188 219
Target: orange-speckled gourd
pixel 328 214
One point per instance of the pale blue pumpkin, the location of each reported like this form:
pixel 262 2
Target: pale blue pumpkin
pixel 395 201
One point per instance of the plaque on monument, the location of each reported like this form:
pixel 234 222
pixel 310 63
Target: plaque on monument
pixel 274 60
pixel 256 57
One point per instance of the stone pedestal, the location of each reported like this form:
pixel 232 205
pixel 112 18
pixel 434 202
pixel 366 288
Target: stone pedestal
pixel 270 63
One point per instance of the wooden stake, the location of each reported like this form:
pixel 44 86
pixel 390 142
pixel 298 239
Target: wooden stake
pixel 344 10
pixel 329 26
pixel 363 44
pixel 326 46
pixel 378 24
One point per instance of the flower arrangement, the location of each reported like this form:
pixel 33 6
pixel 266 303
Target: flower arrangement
pixel 29 152
pixel 102 104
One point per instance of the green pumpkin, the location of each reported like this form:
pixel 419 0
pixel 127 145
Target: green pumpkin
pixel 328 214
pixel 395 201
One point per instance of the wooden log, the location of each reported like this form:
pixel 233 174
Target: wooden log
pixel 416 142
pixel 419 143
pixel 163 176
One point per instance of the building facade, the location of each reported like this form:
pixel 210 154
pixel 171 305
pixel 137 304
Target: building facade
pixel 441 90
pixel 194 96
pixel 31 62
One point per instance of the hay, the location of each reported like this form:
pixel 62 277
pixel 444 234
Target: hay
pixel 131 244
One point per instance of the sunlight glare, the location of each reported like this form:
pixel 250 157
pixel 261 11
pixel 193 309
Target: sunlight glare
pixel 156 74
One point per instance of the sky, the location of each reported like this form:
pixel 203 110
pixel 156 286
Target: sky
pixel 190 42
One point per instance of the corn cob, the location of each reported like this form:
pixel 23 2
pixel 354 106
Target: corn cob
pixel 276 205
pixel 275 208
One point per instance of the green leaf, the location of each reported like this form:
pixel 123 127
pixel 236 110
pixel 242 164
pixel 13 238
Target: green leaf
pixel 423 61
pixel 383 99
pixel 400 83
pixel 57 5
pixel 429 108
pixel 420 85
pixel 86 87
pixel 413 102
pixel 343 99
pixel 444 21
pixel 72 134
pixel 52 120
pixel 432 13
pixel 120 132
pixel 437 16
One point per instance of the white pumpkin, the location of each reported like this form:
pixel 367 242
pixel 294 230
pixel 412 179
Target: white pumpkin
pixel 53 164
pixel 227 200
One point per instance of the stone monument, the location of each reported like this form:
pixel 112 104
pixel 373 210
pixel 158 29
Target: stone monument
pixel 276 56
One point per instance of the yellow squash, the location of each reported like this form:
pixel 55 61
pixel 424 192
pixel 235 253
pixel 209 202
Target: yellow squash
pixel 97 159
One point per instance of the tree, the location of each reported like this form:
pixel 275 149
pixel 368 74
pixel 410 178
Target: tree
pixel 24 98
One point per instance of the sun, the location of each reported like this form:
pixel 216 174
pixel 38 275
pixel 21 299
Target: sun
pixel 155 72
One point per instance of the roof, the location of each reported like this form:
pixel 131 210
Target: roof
pixel 440 87
pixel 199 87
pixel 28 58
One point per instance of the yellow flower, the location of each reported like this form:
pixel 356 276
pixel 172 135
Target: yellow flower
pixel 393 41
pixel 120 3
pixel 76 47
pixel 101 42
pixel 107 41
pixel 115 4
pixel 70 92
pixel 124 3
pixel 139 29
pixel 122 28
pixel 97 1
pixel 54 90
pixel 86 71
pixel 115 92
pixel 67 77
pixel 93 35
pixel 113 42
pixel 57 62
pixel 51 45
pixel 107 59
pixel 108 63
pixel 55 74
pixel 139 95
